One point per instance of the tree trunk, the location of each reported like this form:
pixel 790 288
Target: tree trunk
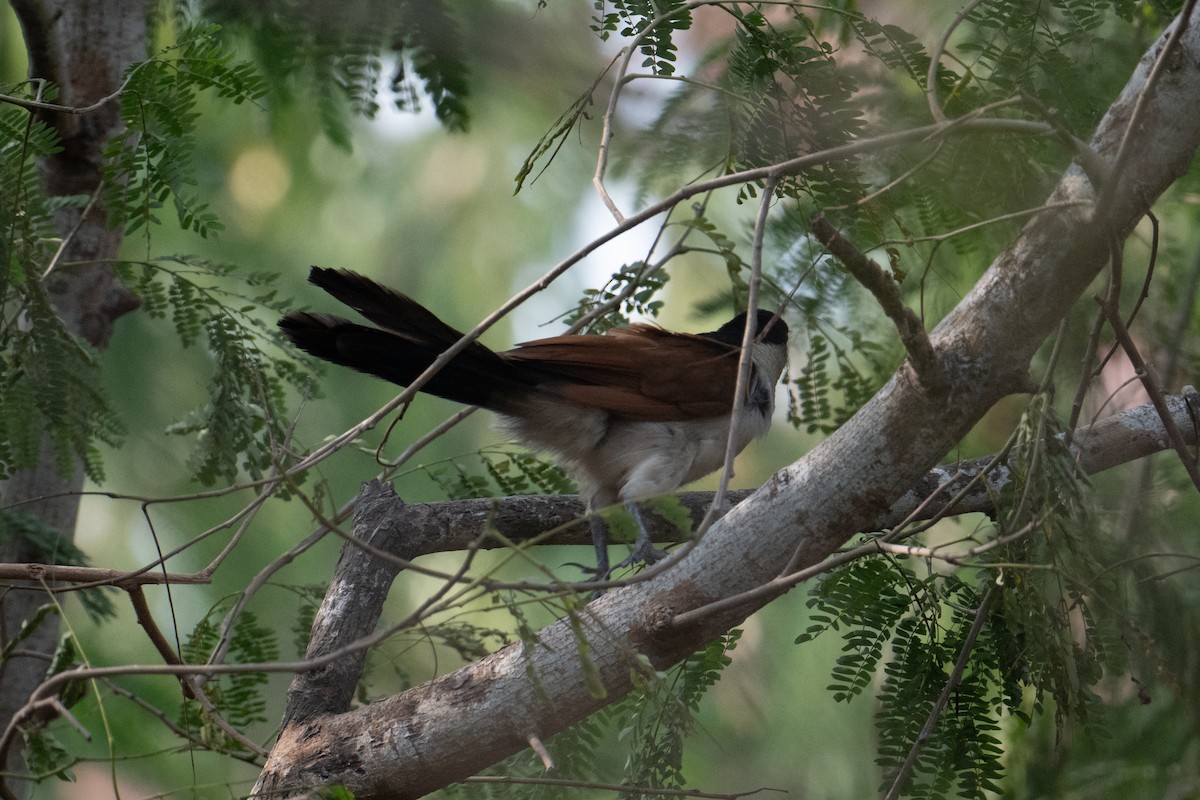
pixel 84 48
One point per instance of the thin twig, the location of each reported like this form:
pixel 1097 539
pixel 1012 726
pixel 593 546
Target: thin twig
pixel 935 61
pixel 620 788
pixel 92 576
pixel 1025 212
pixel 1151 384
pixel 1086 373
pixel 36 105
pixel 610 112
pixel 952 683
pixel 959 558
pixel 887 293
pixel 71 234
pixel 745 360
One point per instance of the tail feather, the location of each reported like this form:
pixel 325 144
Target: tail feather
pixel 471 378
pixel 385 307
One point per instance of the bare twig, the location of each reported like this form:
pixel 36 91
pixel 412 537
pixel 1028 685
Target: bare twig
pixel 745 362
pixel 935 61
pixel 1154 389
pixel 620 788
pixel 887 293
pixel 92 576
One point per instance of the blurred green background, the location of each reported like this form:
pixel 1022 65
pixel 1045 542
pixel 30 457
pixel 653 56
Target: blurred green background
pixel 434 214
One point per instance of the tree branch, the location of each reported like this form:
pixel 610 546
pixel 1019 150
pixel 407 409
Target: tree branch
pixel 454 525
pixel 887 293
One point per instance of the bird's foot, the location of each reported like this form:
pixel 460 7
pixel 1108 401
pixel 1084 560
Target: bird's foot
pixel 643 553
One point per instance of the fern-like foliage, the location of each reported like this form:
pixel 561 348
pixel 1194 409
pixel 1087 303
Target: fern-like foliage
pixel 867 599
pixel 503 473
pixel 657 718
pixel 49 379
pixel 652 22
pixel 653 722
pixel 48 376
pixel 151 162
pixel 44 754
pixel 779 94
pixel 1006 53
pixel 1067 618
pixel 631 290
pixel 961 756
pixel 337 54
pixel 833 383
pixel 242 426
pixel 916 627
pixel 1047 640
pixel 238 696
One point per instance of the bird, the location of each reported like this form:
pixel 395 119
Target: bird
pixel 633 413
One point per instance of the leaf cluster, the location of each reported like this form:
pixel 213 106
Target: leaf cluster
pixel 505 473
pixel 242 427
pixel 151 162
pixel 631 290
pixel 652 22
pixel 238 696
pixel 336 54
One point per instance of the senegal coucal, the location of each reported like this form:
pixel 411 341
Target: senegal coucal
pixel 634 413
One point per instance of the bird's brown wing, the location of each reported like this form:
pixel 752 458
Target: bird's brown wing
pixel 639 373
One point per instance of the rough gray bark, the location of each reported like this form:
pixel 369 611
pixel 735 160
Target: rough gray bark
pixel 84 47
pixel 447 729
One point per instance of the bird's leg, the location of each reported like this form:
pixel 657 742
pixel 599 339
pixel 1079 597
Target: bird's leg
pixel 600 542
pixel 644 551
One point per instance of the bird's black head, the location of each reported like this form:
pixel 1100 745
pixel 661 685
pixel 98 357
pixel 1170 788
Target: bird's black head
pixel 768 328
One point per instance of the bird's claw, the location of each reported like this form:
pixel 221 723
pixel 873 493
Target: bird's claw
pixel 645 553
pixel 601 573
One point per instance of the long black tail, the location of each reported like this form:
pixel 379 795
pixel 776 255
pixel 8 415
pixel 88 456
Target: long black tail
pixel 410 340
